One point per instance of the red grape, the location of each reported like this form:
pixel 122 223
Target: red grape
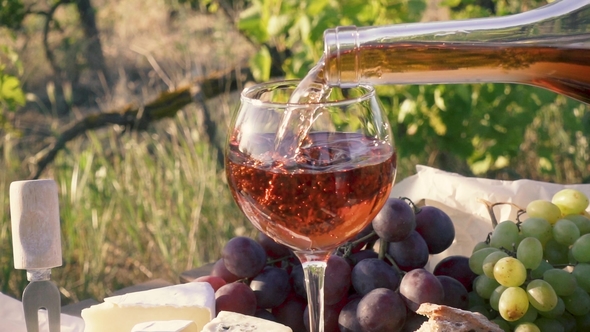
pixel 243 257
pixel 381 310
pixel 419 286
pixel 290 313
pixel 409 253
pixel 215 281
pixel 373 273
pixel 272 248
pixel 221 271
pixel 395 220
pixel 297 279
pixel 331 313
pixel 265 314
pixel 359 256
pixel 336 280
pixel 457 267
pixel 436 227
pixel 235 297
pixel 347 320
pixel 455 293
pixel 271 287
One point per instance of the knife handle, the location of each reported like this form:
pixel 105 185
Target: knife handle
pixel 34 210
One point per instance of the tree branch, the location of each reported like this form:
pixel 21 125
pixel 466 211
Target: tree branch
pixel 166 105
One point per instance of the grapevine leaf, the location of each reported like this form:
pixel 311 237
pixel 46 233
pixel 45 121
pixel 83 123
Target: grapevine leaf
pixel 260 64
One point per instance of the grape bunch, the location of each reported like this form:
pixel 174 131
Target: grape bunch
pixel 534 274
pixel 373 283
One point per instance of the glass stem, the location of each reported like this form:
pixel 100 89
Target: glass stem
pixel 314 268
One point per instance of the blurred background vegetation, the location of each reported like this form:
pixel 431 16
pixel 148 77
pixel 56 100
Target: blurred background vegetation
pixel 142 189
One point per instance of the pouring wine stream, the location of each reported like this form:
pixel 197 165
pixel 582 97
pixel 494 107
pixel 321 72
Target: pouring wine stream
pixel 297 121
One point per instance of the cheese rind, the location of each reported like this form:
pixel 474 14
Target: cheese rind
pixel 193 301
pixel 166 326
pixel 234 322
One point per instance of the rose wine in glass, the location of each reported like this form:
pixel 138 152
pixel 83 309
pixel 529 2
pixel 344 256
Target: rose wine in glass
pixel 321 183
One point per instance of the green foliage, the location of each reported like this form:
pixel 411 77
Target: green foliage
pixel 296 27
pixel 478 129
pixel 12 13
pixel 11 93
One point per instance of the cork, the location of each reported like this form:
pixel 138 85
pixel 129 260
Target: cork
pixel 36 239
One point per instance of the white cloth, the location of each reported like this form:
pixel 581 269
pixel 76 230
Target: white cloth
pixel 460 196
pixel 12 318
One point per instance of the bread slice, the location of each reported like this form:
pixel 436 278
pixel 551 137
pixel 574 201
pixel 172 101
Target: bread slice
pixel 442 318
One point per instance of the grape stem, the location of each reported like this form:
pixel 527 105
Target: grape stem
pixel 346 248
pixel 364 238
pixel 382 248
pixel 394 265
pixel 412 204
pixel 384 255
pixel 276 260
pixel 490 207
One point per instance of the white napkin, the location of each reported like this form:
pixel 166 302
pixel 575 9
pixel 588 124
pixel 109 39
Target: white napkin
pixel 12 318
pixel 459 197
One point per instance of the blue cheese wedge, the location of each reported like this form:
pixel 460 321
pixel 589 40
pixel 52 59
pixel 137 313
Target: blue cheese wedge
pixel 194 301
pixel 166 326
pixel 233 322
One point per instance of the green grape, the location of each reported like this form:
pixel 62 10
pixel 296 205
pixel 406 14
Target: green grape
pixel 475 299
pixel 557 311
pixel 490 261
pixel 568 321
pixel 537 227
pixel 549 325
pixel 578 304
pixel 505 235
pixel 484 310
pixel 502 324
pixel 581 249
pixel 485 286
pixel 543 209
pixel 555 253
pixel 509 272
pixel 480 245
pixel 476 259
pixel 583 322
pixel 527 327
pixel 581 272
pixel 565 232
pixel 570 257
pixel 538 272
pixel 563 282
pixel 541 295
pixel 530 252
pixel 513 304
pixel 530 316
pixel 570 201
pixel 495 296
pixel 581 221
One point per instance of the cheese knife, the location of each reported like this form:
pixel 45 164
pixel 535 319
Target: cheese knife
pixel 36 241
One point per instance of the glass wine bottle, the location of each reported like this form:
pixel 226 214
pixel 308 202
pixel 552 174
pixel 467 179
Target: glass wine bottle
pixel 547 47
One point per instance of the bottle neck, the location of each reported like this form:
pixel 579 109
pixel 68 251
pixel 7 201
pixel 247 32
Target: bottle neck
pixel 476 50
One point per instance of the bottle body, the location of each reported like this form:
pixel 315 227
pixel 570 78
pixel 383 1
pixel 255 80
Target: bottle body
pixel 547 47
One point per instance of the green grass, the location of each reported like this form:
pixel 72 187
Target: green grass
pixel 134 206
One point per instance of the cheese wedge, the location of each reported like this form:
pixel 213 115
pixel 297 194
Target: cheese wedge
pixel 233 322
pixel 194 301
pixel 166 326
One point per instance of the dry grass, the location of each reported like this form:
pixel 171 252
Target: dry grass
pixel 133 206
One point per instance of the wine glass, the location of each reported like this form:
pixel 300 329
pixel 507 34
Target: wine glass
pixel 310 175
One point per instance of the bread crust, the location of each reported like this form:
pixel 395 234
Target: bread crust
pixel 442 318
